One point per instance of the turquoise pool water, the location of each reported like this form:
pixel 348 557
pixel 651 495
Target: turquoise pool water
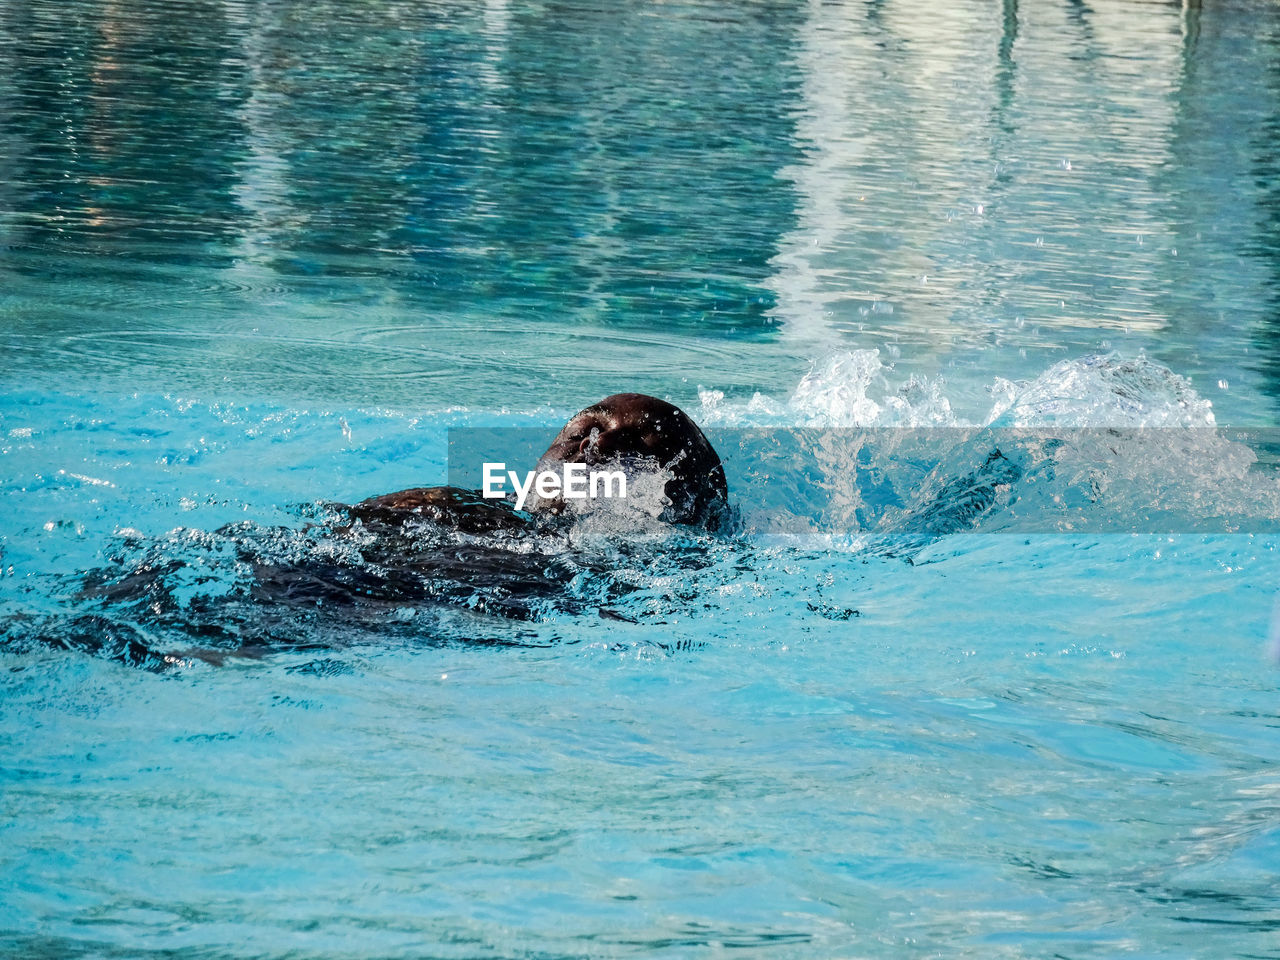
pixel 259 257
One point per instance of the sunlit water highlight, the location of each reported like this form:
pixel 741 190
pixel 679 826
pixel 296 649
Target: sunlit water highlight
pixel 260 259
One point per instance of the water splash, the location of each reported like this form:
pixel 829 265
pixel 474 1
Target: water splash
pixel 1099 443
pixel 852 461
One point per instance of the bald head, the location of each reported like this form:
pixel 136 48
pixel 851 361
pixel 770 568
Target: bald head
pixel 631 428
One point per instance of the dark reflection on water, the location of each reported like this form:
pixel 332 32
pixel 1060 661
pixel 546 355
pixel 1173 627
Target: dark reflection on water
pixel 336 167
pixel 1265 151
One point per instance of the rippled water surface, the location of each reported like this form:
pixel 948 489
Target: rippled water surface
pixel 922 699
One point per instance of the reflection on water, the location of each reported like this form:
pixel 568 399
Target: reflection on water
pixel 316 200
pixel 451 183
pixel 1053 178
